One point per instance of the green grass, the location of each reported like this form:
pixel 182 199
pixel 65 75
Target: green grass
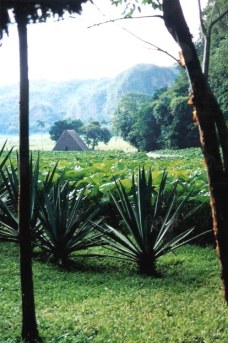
pixel 106 301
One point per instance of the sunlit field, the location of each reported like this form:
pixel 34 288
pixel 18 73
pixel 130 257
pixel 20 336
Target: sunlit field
pixel 37 141
pixel 43 142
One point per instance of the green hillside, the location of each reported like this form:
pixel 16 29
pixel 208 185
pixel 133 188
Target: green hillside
pixel 84 99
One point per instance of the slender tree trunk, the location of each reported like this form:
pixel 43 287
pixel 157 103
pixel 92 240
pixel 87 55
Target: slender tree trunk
pixel 29 326
pixel 206 54
pixel 212 128
pixel 207 32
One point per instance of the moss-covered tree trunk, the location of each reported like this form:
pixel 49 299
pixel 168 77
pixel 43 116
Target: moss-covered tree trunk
pixel 212 128
pixel 29 326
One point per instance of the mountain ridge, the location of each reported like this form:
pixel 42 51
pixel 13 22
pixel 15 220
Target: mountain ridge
pixel 80 99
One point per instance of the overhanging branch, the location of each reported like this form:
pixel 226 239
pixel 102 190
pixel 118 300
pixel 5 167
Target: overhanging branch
pixel 149 43
pixel 126 18
pixel 133 34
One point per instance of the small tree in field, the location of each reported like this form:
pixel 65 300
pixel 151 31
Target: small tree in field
pixel 95 133
pixel 26 11
pixel 60 126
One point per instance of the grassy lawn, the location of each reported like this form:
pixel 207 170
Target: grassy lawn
pixel 106 301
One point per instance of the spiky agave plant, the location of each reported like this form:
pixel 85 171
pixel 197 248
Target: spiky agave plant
pixel 9 197
pixel 8 204
pixel 5 159
pixel 149 216
pixel 65 224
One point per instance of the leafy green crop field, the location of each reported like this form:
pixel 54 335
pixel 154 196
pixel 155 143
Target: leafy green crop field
pixel 99 169
pixel 104 300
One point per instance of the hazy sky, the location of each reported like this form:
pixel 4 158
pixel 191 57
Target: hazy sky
pixel 70 50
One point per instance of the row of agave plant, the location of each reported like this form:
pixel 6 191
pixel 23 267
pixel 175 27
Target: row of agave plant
pixel 63 221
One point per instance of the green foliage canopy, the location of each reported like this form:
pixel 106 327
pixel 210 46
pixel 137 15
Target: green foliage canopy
pixel 218 72
pixel 161 121
pixel 95 133
pixel 66 124
pixel 134 122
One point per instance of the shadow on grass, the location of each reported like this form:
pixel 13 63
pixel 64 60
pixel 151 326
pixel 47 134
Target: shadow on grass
pixel 178 272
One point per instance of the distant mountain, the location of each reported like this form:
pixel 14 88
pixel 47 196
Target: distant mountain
pixel 84 99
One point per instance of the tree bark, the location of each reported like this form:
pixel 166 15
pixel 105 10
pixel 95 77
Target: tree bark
pixel 29 326
pixel 212 128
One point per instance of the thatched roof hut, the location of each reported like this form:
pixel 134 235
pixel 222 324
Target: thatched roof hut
pixel 70 141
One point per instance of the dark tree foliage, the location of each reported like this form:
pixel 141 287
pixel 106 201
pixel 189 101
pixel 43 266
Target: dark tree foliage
pixel 218 71
pixel 163 121
pixel 135 123
pixel 145 130
pixel 218 76
pixel 174 117
pixel 36 10
pixel 59 126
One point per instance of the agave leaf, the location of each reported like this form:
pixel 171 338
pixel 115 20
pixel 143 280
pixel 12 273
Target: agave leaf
pixel 173 243
pixel 128 214
pixel 76 245
pixel 49 179
pixel 34 178
pixel 179 241
pixel 190 213
pixel 190 239
pixel 47 216
pixel 165 224
pixel 8 217
pixel 139 201
pixel 42 240
pixel 76 204
pixel 81 230
pixel 135 210
pixel 160 194
pixel 121 238
pixel 122 252
pixel 145 197
pixel 6 158
pixel 114 244
pixel 125 203
pixel 8 234
pixel 10 181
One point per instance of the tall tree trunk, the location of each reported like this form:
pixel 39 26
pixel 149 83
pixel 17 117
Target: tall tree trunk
pixel 212 128
pixel 29 326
